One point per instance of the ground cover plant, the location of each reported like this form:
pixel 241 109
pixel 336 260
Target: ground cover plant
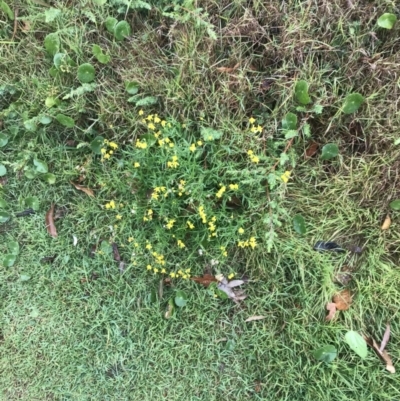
pixel 199 200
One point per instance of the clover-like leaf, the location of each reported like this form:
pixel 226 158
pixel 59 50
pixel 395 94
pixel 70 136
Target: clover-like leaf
pixel 49 178
pixel 180 299
pixel 329 151
pixel 387 20
pixel 52 43
pixel 97 144
pixel 3 170
pixel 65 120
pixel 356 343
pixel 31 124
pixel 13 248
pixel 325 354
pixel 301 92
pixel 132 87
pixel 101 57
pixel 299 224
pixel 122 30
pixel 32 202
pixel 9 260
pixel 352 103
pixel 3 203
pixel 86 73
pixel 3 140
pixel 4 217
pixel 289 122
pixel 395 205
pixel 110 24
pixel 45 120
pixel 40 166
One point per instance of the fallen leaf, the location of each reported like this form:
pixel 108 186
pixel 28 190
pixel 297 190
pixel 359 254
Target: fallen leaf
pixel 228 69
pixel 382 354
pixel 226 287
pixel 235 283
pixel 386 224
pixel 342 300
pixel 51 228
pixel 385 338
pixel 117 256
pixel 86 190
pixel 26 26
pixel 344 276
pixel 253 318
pixel 205 280
pixel 311 150
pixel 331 307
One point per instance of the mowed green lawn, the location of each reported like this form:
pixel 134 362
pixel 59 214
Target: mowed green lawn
pixel 171 89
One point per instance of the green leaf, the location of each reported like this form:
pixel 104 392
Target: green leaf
pixel 51 14
pixel 49 178
pixel 395 205
pixel 352 103
pixel 31 125
pixel 289 121
pixel 32 202
pixel 3 140
pixel 180 299
pixel 80 90
pixel 387 20
pixel 65 120
pixel 30 173
pixel 329 151
pixel 9 260
pixel 146 101
pixel 122 30
pixel 100 56
pixel 3 170
pixel 210 134
pixel 52 43
pixel 325 354
pixel 291 133
pixel 356 343
pixel 40 166
pixel 86 73
pixel 149 138
pixel 221 294
pixel 51 101
pixel 7 10
pixel 299 224
pixel 59 59
pixel 307 130
pixel 152 297
pixel 132 87
pixel 24 277
pixel 106 247
pixel 110 24
pixel 3 203
pixel 301 92
pixel 13 248
pixel 4 217
pixel 99 2
pixel 45 120
pixel 97 144
pixel 230 345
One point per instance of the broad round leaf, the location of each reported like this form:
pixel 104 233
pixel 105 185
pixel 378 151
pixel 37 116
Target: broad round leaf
pixel 289 121
pixel 325 354
pixel 395 205
pixel 13 248
pixel 98 53
pixel 31 125
pixel 9 260
pixel 4 217
pixel 132 87
pixel 299 224
pixel 3 203
pixel 52 43
pixel 3 140
pixel 32 202
pixel 30 173
pixel 65 120
pixel 329 151
pixel 40 166
pixel 45 120
pixel 3 170
pixel 352 103
pixel 59 59
pixel 387 20
pixel 180 299
pixel 301 92
pixel 110 24
pixel 97 144
pixel 122 30
pixel 356 343
pixel 86 73
pixel 49 178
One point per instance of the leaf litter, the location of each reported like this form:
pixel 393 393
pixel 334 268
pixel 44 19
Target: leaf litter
pixel 51 227
pixel 86 190
pixel 340 301
pixel 380 350
pixel 227 287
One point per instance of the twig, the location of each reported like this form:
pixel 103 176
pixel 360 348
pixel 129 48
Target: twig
pixel 15 23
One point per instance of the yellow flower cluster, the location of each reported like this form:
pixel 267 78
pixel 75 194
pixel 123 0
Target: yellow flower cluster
pixel 136 165
pixel 170 223
pixel 157 191
pixel 151 120
pixel 190 224
pixel 159 258
pixel 106 155
pixel 233 187
pixel 202 214
pixel 181 244
pixel 110 205
pixel 223 250
pixel 173 163
pixel 181 187
pixel 253 158
pixel 148 216
pixel 253 128
pixel 251 242
pixel 221 191
pixel 141 144
pixel 183 274
pixel 193 147
pixel 211 225
pixel 285 176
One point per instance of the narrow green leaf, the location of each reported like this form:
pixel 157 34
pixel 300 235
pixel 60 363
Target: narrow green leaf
pixel 65 120
pixel 289 122
pixel 387 20
pixel 230 345
pixel 301 92
pixel 3 170
pixel 7 10
pixel 356 343
pixel 40 166
pixel 329 151
pixel 9 260
pixel 395 205
pixel 52 43
pixel 180 299
pixel 122 30
pixel 97 144
pixel 325 354
pixel 99 2
pixel 299 224
pixel 86 73
pixel 352 103
pixel 100 56
pixel 3 140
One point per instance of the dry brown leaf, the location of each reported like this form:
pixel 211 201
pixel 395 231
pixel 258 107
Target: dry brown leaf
pixel 331 307
pixel 345 275
pixel 382 354
pixel 342 300
pixel 26 26
pixel 86 190
pixel 205 280
pixel 253 318
pixel 228 69
pixel 51 228
pixel 116 254
pixel 386 224
pixel 385 338
pixel 311 150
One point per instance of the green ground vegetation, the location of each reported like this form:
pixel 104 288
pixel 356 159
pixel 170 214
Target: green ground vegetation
pixel 225 137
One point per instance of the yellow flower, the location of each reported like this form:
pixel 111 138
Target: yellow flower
pixel 148 267
pixel 171 145
pixel 252 120
pixel 187 271
pixel 241 231
pixel 107 156
pixel 250 152
pixel 130 239
pixel 285 176
pixel 155 270
pixel 110 152
pixel 233 187
pixel 202 214
pixel 180 244
pixel 192 147
pixel 163 123
pixel 183 125
pixel 149 117
pixel 141 112
pixel 259 128
pixel 136 165
pixel 199 143
pixel 163 271
pixel 151 126
pixel 148 246
pixel 157 119
pixel 136 245
pixel 103 151
pixel 253 129
pixel 173 163
pixel 141 145
pixel 172 275
pixel 231 276
pixel 170 224
pixel 190 225
pixel 255 159
pixel 167 140
pixel 221 191
pixel 157 134
pixel 154 195
pixel 113 145
pixel 252 242
pixel 118 217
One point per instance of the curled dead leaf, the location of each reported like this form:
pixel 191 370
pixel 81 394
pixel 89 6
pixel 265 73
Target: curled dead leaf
pixel 342 300
pixel 331 307
pixel 345 275
pixel 253 318
pixel 228 69
pixel 205 280
pixel 86 190
pixel 117 256
pixel 386 224
pixel 51 228
pixel 311 150
pixel 385 338
pixel 382 354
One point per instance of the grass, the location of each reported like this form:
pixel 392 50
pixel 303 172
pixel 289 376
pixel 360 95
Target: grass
pixel 78 328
